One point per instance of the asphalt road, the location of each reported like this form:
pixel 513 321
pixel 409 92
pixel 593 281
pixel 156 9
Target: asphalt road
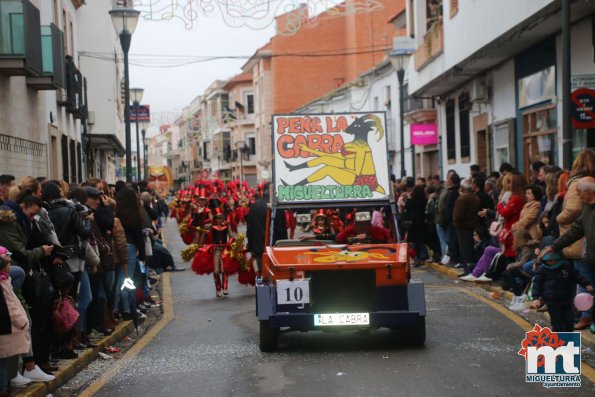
pixel 211 349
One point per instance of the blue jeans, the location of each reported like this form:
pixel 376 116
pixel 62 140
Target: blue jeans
pixel 528 268
pixel 3 374
pixel 586 271
pixel 127 296
pixel 17 276
pixel 453 245
pixel 442 237
pixel 421 251
pixel 83 299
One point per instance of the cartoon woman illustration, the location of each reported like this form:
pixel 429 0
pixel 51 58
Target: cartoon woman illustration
pixel 354 165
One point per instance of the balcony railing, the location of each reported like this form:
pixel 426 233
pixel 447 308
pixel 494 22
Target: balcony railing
pixel 20 46
pixel 74 97
pixel 52 50
pixel 412 104
pixel 432 45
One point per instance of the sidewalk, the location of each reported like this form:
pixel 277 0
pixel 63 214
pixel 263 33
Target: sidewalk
pixel 68 369
pixel 504 297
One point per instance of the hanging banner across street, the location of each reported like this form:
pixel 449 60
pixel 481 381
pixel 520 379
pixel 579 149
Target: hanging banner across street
pixel 330 157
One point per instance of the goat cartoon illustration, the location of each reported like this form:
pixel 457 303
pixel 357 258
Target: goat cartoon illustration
pixel 354 164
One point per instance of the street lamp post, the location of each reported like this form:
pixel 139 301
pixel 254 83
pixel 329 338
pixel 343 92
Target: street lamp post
pixel 146 161
pixel 398 59
pixel 125 20
pixel 137 96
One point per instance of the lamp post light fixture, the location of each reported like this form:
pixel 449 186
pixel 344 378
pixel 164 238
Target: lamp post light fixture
pixel 399 58
pixel 136 95
pixel 124 21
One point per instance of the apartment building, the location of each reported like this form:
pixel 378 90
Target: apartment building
pixel 42 107
pixel 241 124
pixel 101 61
pixel 496 78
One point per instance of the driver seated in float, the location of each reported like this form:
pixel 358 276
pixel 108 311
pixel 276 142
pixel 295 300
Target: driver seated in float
pixel 320 228
pixel 362 232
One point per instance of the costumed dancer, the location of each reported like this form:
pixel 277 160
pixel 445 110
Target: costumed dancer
pixel 290 222
pixel 335 220
pixel 219 236
pixel 201 215
pixel 320 228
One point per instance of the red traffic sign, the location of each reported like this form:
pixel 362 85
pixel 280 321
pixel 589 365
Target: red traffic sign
pixel 582 108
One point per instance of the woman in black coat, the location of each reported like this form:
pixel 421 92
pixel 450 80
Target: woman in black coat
pixel 71 230
pixel 417 234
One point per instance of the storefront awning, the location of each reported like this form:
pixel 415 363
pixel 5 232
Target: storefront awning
pixel 106 142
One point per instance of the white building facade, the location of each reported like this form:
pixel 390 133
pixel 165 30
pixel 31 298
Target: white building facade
pixel 101 61
pixel 496 75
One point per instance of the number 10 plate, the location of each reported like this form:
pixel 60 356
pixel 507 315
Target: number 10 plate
pixel 294 292
pixel 341 319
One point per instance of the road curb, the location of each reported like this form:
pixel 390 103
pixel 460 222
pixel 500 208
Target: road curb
pixel 588 339
pixel 72 368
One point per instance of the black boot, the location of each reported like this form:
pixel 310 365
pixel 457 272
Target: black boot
pixel 296 167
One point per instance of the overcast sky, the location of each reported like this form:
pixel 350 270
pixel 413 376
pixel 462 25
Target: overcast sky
pixel 156 43
pixel 171 89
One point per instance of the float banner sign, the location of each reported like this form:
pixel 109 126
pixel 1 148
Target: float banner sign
pixel 330 157
pixel 424 134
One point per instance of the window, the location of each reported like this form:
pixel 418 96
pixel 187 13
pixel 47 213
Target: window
pixel 64 144
pixel 205 151
pixel 387 96
pixel 464 127
pixel 56 13
pixel 375 103
pixel 250 103
pixel 79 161
pixel 66 33
pixel 252 145
pixel 451 153
pixel 433 13
pixel 71 38
pixel 539 136
pixel 454 8
pixel 501 145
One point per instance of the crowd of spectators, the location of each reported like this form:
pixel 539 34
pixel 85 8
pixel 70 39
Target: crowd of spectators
pixel 94 245
pixel 498 227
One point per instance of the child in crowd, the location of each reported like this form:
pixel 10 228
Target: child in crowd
pixel 514 276
pixel 14 324
pixel 481 240
pixel 553 284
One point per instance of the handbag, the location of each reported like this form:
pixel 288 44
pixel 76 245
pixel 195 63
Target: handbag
pixel 495 228
pixel 64 315
pixel 106 252
pixel 63 277
pixel 40 285
pixel 73 251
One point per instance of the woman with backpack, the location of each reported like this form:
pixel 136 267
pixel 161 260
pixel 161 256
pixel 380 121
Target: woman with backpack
pixel 71 229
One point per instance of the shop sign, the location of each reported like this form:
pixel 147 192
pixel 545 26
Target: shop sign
pixel 582 105
pixel 144 114
pixel 424 134
pixel 582 81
